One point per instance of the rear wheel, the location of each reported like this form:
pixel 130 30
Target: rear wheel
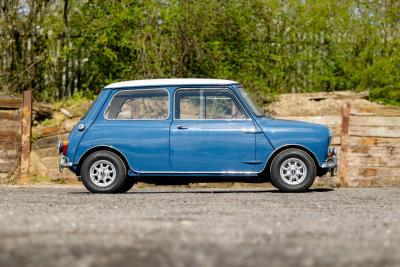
pixel 103 172
pixel 293 170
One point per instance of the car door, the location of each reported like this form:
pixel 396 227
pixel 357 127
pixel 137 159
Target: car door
pixel 211 132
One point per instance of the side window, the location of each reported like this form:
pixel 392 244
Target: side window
pixel 222 105
pixel 187 104
pixel 148 104
pixel 207 104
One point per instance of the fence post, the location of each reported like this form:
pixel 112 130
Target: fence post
pixel 26 132
pixel 344 147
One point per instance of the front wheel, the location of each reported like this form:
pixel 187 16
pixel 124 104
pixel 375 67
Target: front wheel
pixel 293 170
pixel 129 183
pixel 103 172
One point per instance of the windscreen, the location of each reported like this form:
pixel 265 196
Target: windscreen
pixel 255 109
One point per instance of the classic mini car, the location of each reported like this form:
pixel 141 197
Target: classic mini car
pixel 179 131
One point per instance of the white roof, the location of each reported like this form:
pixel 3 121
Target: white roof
pixel 166 82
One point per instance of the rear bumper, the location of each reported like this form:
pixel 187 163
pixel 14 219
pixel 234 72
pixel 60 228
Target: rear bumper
pixel 64 162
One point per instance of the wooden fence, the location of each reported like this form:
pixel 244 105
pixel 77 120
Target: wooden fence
pixel 15 128
pixel 368 142
pixel 367 138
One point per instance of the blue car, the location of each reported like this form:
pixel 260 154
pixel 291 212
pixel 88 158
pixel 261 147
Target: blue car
pixel 180 131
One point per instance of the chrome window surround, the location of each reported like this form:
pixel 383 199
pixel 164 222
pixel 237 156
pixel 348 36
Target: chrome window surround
pixel 136 90
pixel 210 88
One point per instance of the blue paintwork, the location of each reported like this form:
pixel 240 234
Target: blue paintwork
pixel 212 145
pixel 311 136
pixel 228 147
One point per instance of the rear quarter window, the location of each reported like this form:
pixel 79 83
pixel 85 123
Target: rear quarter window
pixel 139 104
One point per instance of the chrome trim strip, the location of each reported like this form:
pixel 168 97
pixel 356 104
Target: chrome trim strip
pixel 252 162
pixel 252 132
pixel 136 90
pixel 197 172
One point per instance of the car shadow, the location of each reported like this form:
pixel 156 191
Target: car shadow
pixel 215 191
pixel 226 191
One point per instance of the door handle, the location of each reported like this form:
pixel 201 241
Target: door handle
pixel 180 127
pixel 251 132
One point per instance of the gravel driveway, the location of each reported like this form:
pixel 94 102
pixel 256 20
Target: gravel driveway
pixel 66 226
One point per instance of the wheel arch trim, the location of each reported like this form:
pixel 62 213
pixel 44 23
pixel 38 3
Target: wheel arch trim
pixel 98 148
pixel 285 147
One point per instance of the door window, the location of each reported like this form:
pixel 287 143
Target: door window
pixel 149 104
pixel 208 104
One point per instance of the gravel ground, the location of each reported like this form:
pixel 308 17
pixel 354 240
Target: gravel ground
pixel 66 226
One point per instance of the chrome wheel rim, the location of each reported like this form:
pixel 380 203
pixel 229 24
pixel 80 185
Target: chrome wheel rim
pixel 293 171
pixel 102 173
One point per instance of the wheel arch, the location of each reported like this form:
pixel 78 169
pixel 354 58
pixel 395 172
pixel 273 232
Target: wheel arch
pixel 98 148
pixel 265 172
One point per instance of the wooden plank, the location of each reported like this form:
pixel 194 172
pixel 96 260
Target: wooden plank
pixel 14 115
pixel 373 172
pixel 326 120
pixel 335 140
pixel 366 161
pixel 378 110
pixel 10 125
pixel 10 102
pixel 5 146
pixel 374 121
pixel 374 141
pixel 375 131
pixel 7 135
pixel 378 151
pixel 26 132
pixel 344 146
pixel 392 181
pixel 9 153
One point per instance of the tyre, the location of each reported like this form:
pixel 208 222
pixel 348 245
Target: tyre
pixel 103 172
pixel 293 170
pixel 129 183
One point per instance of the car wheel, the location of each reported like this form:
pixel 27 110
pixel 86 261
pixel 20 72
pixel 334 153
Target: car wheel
pixel 293 170
pixel 129 183
pixel 103 172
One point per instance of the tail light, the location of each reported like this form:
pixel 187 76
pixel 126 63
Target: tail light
pixel 65 147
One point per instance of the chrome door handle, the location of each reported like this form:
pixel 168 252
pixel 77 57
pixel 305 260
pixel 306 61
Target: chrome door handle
pixel 251 131
pixel 180 127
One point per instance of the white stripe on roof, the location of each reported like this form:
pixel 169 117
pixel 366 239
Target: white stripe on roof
pixel 165 82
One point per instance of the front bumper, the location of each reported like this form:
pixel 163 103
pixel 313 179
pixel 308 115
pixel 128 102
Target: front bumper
pixel 331 162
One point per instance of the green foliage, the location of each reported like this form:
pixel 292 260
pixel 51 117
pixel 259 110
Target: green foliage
pixel 270 46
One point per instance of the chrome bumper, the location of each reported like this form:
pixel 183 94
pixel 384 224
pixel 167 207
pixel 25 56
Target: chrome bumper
pixel 63 162
pixel 331 162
